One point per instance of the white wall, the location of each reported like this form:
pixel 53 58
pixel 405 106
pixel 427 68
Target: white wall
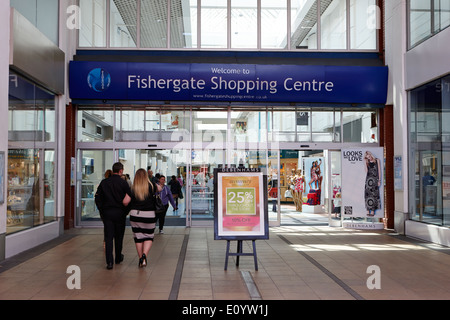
pixel 396 40
pixel 67 43
pixel 428 61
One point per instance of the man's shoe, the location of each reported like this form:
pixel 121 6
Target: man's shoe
pixel 109 266
pixel 120 259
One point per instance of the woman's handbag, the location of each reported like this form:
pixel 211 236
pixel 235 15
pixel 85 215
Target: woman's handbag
pixel 288 193
pixel 159 207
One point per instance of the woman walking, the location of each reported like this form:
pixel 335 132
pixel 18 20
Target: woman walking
pixel 142 214
pixel 175 188
pixel 166 197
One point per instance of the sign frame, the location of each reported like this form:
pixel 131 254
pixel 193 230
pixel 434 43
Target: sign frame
pixel 260 202
pixel 359 187
pixel 145 81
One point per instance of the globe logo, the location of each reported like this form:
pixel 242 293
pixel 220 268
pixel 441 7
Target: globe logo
pixel 99 80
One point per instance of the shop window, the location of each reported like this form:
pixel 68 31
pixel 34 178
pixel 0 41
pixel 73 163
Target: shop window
pixel 30 194
pixel 430 163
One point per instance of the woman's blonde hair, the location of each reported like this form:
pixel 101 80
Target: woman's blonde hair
pixel 141 185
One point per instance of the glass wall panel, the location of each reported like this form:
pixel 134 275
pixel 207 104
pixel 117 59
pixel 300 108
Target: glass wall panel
pixel 175 126
pixel 363 24
pixel 323 126
pixel 360 126
pixel 282 126
pixel 95 124
pixel 303 24
pixel 441 14
pixel 244 24
pixel 123 23
pixel 214 26
pixel 43 14
pixel 248 126
pixel 210 126
pixel 234 24
pixel 154 23
pixel 426 18
pixel 131 124
pixel 92 32
pixel 31 112
pixel 201 182
pixel 333 24
pixel 419 20
pixel 303 122
pixel 183 24
pixel 273 24
pixel 93 166
pixel 25 120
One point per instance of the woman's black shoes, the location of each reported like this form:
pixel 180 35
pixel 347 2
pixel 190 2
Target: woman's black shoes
pixel 143 261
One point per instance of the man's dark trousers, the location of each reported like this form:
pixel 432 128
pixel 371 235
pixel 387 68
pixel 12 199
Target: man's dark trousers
pixel 114 228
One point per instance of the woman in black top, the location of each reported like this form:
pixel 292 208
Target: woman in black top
pixel 142 214
pixel 175 189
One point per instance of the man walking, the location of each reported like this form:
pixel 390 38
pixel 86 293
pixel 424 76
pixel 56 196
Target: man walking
pixel 111 198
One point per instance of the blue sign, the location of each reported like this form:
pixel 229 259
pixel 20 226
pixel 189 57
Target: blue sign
pixel 227 82
pixel 99 80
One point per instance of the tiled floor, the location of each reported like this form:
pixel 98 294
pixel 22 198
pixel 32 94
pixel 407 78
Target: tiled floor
pixel 297 262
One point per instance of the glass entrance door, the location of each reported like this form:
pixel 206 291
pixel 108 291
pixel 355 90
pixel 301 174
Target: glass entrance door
pixel 169 162
pixel 200 185
pixel 93 164
pixel 334 188
pixel 268 162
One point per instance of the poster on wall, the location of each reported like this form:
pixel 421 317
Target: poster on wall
pixel 240 198
pixel 362 182
pixel 314 173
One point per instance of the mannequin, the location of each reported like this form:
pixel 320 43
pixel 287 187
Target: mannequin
pixel 298 190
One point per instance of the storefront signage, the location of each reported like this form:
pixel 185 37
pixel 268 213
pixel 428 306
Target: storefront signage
pixel 362 182
pixel 240 204
pixel 219 82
